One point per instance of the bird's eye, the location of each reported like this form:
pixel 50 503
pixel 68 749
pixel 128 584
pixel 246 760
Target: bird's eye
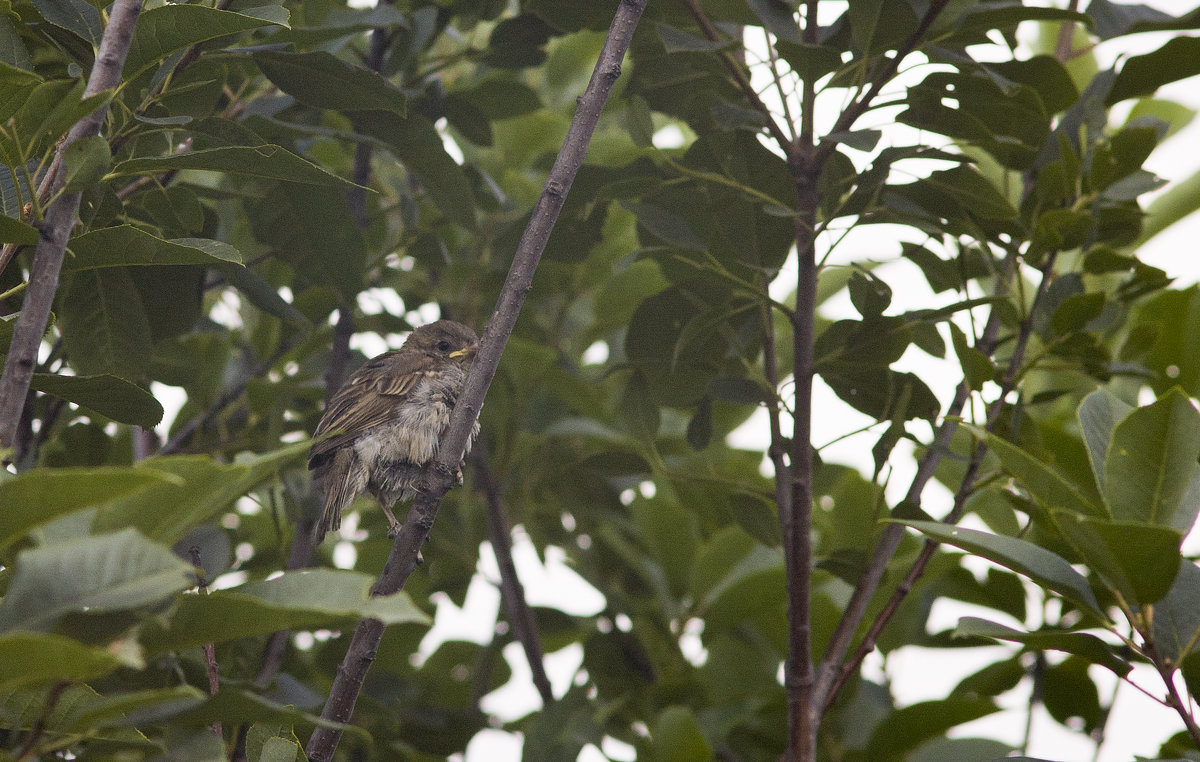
pixel 443 346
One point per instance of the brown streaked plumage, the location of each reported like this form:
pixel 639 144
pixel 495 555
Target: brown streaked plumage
pixel 387 419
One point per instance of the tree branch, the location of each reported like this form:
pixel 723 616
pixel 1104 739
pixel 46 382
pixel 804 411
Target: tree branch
pixel 735 70
pixel 231 395
pixel 884 75
pixel 440 475
pixel 966 487
pixel 39 726
pixel 56 229
pixel 210 650
pixel 512 592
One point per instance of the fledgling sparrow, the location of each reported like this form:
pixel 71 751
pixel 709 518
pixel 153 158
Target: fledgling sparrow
pixel 386 422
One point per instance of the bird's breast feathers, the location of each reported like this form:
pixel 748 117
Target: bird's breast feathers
pixel 414 427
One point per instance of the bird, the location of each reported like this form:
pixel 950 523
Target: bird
pixel 383 425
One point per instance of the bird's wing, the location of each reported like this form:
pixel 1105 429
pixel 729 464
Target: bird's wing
pixel 367 400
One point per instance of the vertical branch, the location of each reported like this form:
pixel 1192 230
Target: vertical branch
pixel 56 229
pixel 210 650
pixel 512 592
pixel 778 448
pixel 439 475
pixel 803 718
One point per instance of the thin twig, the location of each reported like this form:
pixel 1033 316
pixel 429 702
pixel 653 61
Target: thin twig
pixel 512 592
pixel 1037 678
pixel 39 725
pixel 735 70
pixel 880 79
pixel 1063 48
pixel 210 650
pixel 1174 699
pixel 440 474
pixel 778 446
pixel 231 395
pixel 56 229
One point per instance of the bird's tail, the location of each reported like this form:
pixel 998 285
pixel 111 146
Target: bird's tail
pixel 342 479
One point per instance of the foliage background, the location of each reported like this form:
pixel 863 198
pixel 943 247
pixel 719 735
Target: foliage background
pixel 225 249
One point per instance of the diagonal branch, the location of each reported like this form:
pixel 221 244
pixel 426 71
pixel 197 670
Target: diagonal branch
pixel 987 344
pixel 856 608
pixel 56 229
pixel 735 70
pixel 440 475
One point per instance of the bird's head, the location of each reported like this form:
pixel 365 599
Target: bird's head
pixel 445 340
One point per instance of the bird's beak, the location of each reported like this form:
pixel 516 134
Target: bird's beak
pixel 468 351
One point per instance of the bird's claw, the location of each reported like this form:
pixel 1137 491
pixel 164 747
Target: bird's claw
pixel 394 529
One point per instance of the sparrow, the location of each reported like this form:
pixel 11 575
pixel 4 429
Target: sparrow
pixel 386 421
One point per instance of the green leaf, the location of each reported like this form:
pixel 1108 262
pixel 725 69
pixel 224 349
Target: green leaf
pixel 1069 692
pixel 1150 465
pixel 111 572
pixel 127 245
pixel 233 706
pixel 1076 311
pixel 1137 560
pixel 303 225
pixel 75 16
pixel 810 62
pixel 106 395
pixel 777 17
pixel 16 231
pixel 877 25
pixel 28 659
pixel 1082 644
pixel 1046 484
pixel 16 85
pixel 501 98
pixel 1177 617
pixel 869 295
pixel 1008 15
pixel 280 750
pixel 977 367
pixel 297 600
pixel 1116 19
pixel 128 710
pixel 86 161
pixel 343 21
pixel 416 142
pixel 103 324
pixel 46 115
pixel 198 489
pixel 1048 569
pixel 518 42
pixel 322 80
pixel 677 41
pixel 1098 415
pixel 167 28
pixel 975 193
pixel 1178 58
pixel 678 737
pixel 906 728
pixel 39 495
pixel 269 161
